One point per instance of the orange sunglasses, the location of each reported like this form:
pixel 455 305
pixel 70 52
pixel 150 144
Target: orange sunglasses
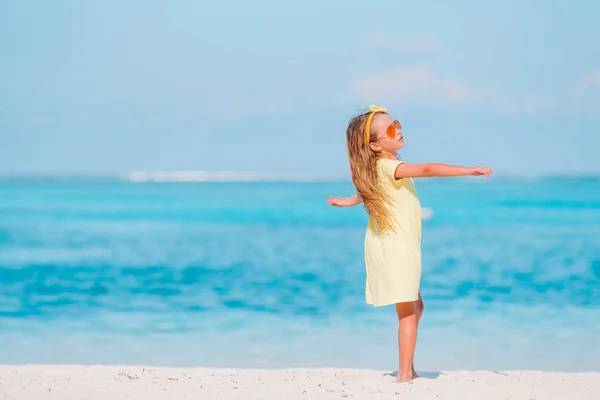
pixel 392 130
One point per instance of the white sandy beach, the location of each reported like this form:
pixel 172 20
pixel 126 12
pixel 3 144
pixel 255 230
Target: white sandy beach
pixel 136 382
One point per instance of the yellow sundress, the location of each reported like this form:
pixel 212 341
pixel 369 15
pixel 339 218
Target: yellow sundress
pixel 393 258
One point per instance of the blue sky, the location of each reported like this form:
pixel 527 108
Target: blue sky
pixel 269 86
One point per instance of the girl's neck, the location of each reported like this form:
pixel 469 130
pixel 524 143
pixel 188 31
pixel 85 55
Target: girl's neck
pixel 391 156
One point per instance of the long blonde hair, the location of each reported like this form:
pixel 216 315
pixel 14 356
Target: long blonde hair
pixel 363 166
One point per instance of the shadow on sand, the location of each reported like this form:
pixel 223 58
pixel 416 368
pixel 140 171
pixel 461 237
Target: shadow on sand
pixel 422 374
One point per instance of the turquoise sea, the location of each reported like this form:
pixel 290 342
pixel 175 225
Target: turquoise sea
pixel 269 275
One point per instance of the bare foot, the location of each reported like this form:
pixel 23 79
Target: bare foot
pixel 401 378
pixel 414 373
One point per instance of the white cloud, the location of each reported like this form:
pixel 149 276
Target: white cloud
pixel 591 78
pixel 585 93
pixel 242 102
pixel 420 86
pixel 417 44
pixel 582 96
pixel 533 105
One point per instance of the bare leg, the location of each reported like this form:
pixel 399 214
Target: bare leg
pixel 407 338
pixel 420 308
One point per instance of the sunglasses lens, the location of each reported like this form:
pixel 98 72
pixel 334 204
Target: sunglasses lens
pixel 391 131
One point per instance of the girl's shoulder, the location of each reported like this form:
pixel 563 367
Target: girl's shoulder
pixel 388 163
pixel 387 167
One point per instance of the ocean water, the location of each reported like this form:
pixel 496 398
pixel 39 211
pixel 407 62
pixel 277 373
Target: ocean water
pixel 268 275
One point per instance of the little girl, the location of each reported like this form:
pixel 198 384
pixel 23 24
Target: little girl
pixel 393 237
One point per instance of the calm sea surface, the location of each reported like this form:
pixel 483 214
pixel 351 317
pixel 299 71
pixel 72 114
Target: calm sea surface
pixel 269 275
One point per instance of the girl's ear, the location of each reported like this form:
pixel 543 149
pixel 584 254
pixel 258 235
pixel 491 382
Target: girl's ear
pixel 375 146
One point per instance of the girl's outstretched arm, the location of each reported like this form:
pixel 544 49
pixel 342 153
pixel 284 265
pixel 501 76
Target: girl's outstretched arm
pixel 345 201
pixel 405 170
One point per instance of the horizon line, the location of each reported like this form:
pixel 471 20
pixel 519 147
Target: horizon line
pixel 234 176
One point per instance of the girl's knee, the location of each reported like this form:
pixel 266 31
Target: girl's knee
pixel 420 306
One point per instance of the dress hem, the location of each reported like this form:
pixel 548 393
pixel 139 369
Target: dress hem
pixel 389 303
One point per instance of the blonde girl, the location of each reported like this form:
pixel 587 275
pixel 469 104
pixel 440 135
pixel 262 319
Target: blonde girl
pixel 392 244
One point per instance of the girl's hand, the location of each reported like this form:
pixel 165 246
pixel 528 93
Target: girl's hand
pixel 338 201
pixel 478 171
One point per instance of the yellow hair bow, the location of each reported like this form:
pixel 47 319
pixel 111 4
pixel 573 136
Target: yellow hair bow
pixel 374 110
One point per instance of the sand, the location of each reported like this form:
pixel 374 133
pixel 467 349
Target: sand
pixel 136 382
